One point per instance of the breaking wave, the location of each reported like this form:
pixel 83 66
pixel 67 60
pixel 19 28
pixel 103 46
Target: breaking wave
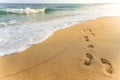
pixel 21 10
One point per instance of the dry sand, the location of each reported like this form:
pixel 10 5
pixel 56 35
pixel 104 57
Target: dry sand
pixel 86 51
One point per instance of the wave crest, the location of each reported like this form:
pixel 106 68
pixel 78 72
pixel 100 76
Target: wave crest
pixel 23 11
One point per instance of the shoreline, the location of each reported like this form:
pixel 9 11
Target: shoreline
pixel 70 53
pixel 52 32
pixel 22 31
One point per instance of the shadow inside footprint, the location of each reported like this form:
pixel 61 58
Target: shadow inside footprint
pixel 90 46
pixel 93 34
pixel 107 65
pixel 88 59
pixel 86 38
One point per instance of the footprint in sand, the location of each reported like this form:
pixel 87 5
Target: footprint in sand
pixel 86 38
pixel 89 30
pixel 107 66
pixel 88 59
pixel 90 46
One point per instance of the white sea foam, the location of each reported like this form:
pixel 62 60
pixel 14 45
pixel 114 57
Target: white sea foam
pixel 3 24
pixel 7 23
pixel 19 37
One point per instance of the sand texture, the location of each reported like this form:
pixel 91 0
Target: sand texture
pixel 86 51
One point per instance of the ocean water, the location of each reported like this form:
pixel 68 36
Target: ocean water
pixel 22 25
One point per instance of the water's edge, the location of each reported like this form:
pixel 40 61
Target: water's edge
pixel 48 36
pixel 18 32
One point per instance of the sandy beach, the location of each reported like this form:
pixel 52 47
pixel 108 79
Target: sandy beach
pixel 86 51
